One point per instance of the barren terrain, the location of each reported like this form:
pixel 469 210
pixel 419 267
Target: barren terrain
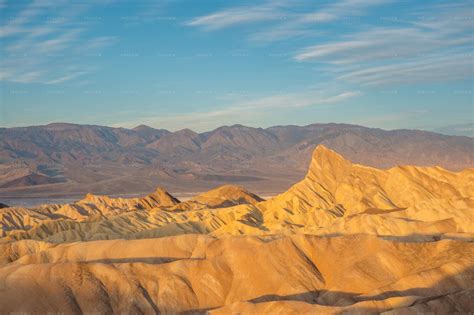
pixel 345 238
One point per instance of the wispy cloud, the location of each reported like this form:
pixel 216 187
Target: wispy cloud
pixel 44 40
pixel 422 69
pixel 426 44
pixel 382 43
pixel 67 77
pixel 270 10
pixel 417 50
pixel 286 22
pixel 17 24
pixel 337 10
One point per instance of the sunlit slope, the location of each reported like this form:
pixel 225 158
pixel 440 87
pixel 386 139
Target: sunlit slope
pixel 336 197
pixel 234 273
pixel 158 214
pixel 220 197
pixel 91 208
pixel 347 238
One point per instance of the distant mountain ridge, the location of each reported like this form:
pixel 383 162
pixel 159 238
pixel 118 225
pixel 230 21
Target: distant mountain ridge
pixel 69 157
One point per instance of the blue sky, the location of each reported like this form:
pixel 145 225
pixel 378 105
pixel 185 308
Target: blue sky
pixel 201 64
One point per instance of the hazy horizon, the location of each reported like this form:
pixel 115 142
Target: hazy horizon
pixel 457 130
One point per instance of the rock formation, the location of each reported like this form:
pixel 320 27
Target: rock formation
pixel 347 238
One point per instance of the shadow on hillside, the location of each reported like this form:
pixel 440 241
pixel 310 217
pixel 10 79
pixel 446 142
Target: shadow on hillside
pixel 145 260
pixel 423 299
pixel 410 238
pixel 449 295
pixel 426 297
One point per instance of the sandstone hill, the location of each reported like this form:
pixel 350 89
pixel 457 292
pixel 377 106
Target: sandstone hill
pixel 220 197
pixel 346 238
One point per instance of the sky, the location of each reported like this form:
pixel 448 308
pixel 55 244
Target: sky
pixel 178 64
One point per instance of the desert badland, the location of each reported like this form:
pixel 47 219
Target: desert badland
pixel 346 238
pixel 237 157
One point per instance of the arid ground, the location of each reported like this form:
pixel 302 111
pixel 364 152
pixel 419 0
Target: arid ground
pixel 346 238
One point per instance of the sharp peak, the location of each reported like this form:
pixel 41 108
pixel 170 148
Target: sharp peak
pixel 322 150
pixel 161 189
pixel 327 160
pixel 90 195
pixel 161 192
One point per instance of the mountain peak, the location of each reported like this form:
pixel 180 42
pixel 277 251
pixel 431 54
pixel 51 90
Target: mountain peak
pixel 163 197
pixel 323 153
pixel 326 162
pixel 231 192
pixel 60 126
pixel 143 127
pixel 220 197
pixel 186 131
pixel 95 199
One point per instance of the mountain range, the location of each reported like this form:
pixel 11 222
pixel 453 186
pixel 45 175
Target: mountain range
pixel 66 159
